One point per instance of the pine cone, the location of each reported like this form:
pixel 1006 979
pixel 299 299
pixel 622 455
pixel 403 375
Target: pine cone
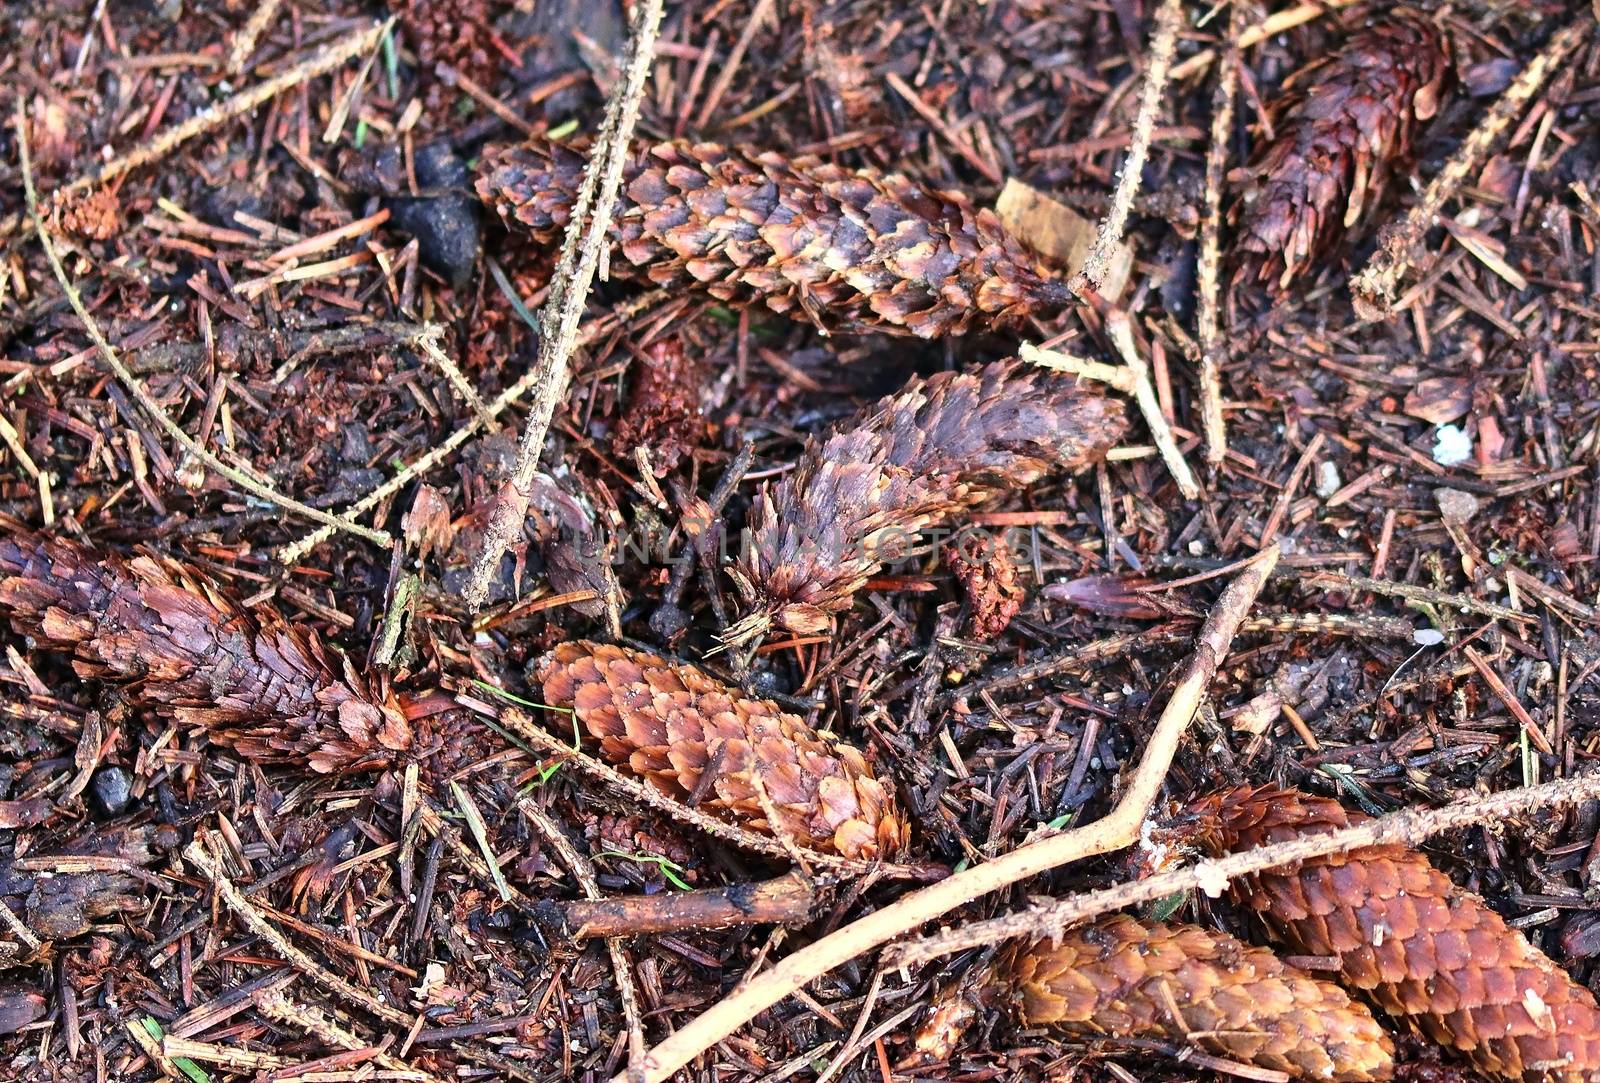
pixel 857 499
pixel 1420 948
pixel 457 34
pixel 671 724
pixel 185 651
pixel 988 576
pixel 1119 978
pixel 848 250
pixel 1343 129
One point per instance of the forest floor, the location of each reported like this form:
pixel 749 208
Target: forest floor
pixel 304 283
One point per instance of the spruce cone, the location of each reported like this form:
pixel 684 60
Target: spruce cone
pixel 856 500
pixel 1419 947
pixel 988 576
pixel 671 724
pixel 1119 978
pixel 1343 129
pixel 186 651
pixel 848 250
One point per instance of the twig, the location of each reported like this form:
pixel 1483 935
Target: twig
pixel 569 289
pixel 1406 828
pixel 297 550
pixel 1163 39
pixel 1212 423
pixel 137 389
pixel 309 1019
pixel 206 120
pixel 583 872
pixel 1115 830
pixel 427 341
pixel 786 900
pixel 1373 288
pixel 246 911
pixel 1271 26
pixel 245 43
pixel 1131 378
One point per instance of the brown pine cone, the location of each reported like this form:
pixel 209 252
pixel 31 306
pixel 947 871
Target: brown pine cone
pixel 1420 948
pixel 857 499
pixel 1120 978
pixel 1344 127
pixel 184 650
pixel 988 576
pixel 671 724
pixel 847 250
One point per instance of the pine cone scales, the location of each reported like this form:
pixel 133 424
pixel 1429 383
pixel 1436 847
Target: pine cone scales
pixel 1419 947
pixel 856 499
pixel 671 724
pixel 183 649
pixel 1342 131
pixel 847 250
pixel 1120 978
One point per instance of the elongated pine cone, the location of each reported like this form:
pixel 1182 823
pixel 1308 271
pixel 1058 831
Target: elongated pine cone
pixel 1420 948
pixel 671 724
pixel 1120 978
pixel 184 650
pixel 1343 129
pixel 850 250
pixel 857 499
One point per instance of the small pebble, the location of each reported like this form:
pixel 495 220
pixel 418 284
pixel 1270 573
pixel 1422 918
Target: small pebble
pixel 1328 481
pixel 110 790
pixel 445 220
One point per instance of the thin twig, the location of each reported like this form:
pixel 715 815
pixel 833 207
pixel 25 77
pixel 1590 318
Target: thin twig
pixel 581 250
pixel 1270 27
pixel 207 120
pixel 1163 39
pixel 1115 830
pixel 583 872
pixel 137 389
pixel 427 341
pixel 309 1019
pixel 1374 287
pixel 246 912
pixel 1406 828
pixel 245 44
pixel 1213 426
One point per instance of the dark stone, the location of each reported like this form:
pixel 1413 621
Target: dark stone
pixel 445 218
pixel 110 791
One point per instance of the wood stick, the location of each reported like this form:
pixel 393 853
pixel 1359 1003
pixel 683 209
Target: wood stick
pixel 1210 340
pixel 1407 828
pixel 1117 829
pixel 786 900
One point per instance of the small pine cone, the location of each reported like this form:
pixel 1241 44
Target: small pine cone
pixel 1343 129
pixel 857 499
pixel 1420 948
pixel 848 250
pixel 185 651
pixel 671 723
pixel 982 564
pixel 663 411
pixel 455 34
pixel 1120 978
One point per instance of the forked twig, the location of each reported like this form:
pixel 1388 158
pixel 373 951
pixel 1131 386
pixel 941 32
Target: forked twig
pixel 1406 828
pixel 1117 829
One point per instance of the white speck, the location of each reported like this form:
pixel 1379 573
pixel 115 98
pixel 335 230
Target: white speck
pixel 1328 481
pixel 1379 931
pixel 1538 1011
pixel 1427 637
pixel 1210 878
pixel 1451 445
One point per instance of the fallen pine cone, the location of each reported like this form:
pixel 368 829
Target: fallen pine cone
pixel 1420 948
pixel 704 743
pixel 186 651
pixel 1119 978
pixel 1343 129
pixel 857 499
pixel 848 250
pixel 988 576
